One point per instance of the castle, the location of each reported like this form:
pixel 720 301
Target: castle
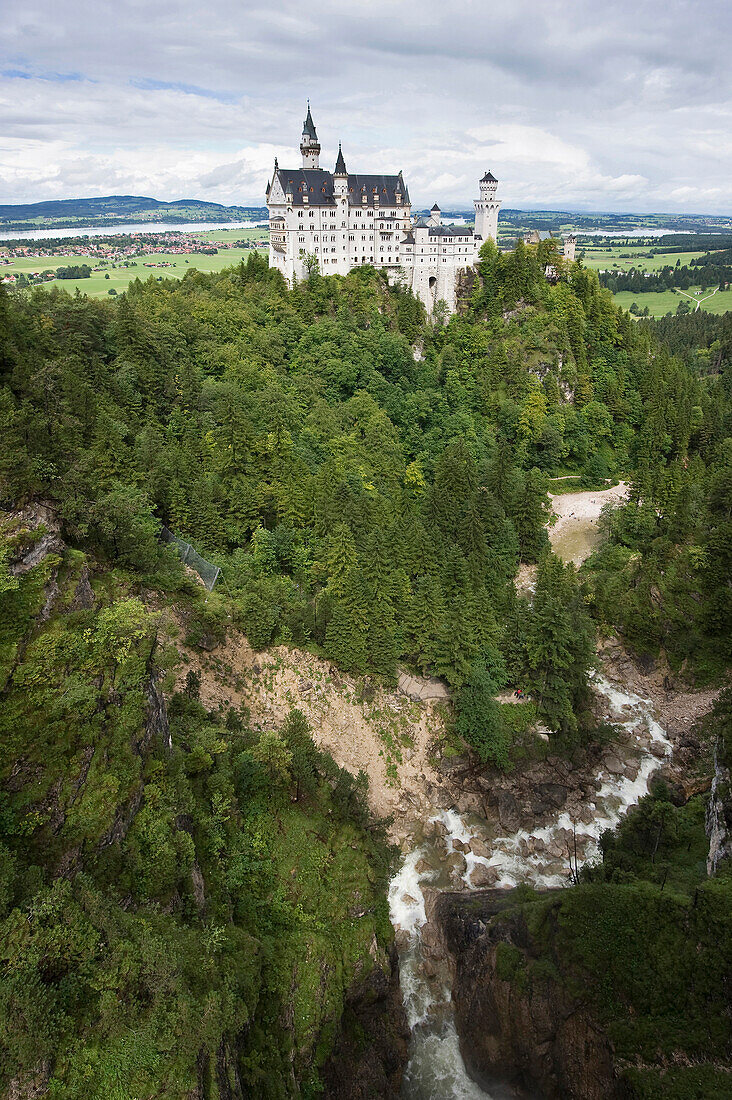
pixel 343 220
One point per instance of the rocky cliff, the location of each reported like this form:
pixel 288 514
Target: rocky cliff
pixel 719 808
pixel 370 1050
pixel 601 991
pixel 532 1034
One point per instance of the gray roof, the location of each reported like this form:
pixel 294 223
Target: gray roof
pixel 444 230
pixel 308 126
pixel 489 178
pixel 450 231
pixel 340 168
pixel 435 207
pixel 318 185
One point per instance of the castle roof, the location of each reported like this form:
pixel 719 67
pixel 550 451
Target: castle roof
pixel 449 231
pixel 489 178
pixel 317 184
pixel 444 230
pixel 435 207
pixel 308 126
pixel 340 168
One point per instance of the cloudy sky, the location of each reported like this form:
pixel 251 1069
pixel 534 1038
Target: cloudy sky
pixel 573 104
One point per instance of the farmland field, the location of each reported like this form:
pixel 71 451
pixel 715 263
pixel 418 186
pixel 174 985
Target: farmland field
pixel 622 259
pixel 98 286
pixel 666 301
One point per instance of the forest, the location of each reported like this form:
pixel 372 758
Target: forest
pixel 368 480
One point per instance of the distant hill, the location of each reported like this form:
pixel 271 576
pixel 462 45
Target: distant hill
pixel 111 209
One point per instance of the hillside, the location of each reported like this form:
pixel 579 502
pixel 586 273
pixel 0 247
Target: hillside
pixel 193 884
pixel 117 209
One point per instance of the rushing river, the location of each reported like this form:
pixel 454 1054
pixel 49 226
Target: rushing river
pixel 540 858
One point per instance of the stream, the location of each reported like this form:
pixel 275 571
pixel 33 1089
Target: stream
pixel 540 858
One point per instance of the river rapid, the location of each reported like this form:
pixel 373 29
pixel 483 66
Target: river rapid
pixel 542 857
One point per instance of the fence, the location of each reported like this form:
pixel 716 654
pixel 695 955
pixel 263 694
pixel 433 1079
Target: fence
pixel 208 573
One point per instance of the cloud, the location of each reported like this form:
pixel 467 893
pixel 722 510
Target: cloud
pixel 569 102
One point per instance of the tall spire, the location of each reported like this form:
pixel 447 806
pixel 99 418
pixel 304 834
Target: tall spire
pixel 309 144
pixel 309 126
pixel 340 168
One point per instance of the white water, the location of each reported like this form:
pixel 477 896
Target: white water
pixel 436 1070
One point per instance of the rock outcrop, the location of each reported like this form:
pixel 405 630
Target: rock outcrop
pixel 530 1034
pixel 370 1052
pixel 719 808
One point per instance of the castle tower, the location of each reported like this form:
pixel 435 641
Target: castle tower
pixel 486 209
pixel 340 176
pixel 570 245
pixel 309 144
pixel 435 217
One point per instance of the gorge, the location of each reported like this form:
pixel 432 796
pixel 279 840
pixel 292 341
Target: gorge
pixel 467 849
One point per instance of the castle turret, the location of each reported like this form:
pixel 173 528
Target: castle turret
pixel 435 217
pixel 309 144
pixel 340 176
pixel 570 246
pixel 486 209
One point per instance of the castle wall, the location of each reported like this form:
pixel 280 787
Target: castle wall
pixel 343 233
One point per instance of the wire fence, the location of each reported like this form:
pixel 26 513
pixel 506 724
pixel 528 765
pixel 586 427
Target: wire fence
pixel 208 572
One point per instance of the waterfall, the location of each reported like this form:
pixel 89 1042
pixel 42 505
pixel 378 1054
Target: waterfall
pixel 436 1070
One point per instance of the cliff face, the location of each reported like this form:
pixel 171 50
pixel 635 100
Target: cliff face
pixel 227 890
pixel 370 1052
pixel 609 989
pixel 719 809
pixel 531 1034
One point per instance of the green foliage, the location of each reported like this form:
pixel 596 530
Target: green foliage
pixel 551 645
pixel 360 499
pixel 480 718
pixel 652 965
pixel 159 905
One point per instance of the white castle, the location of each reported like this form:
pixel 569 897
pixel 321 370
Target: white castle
pixel 344 220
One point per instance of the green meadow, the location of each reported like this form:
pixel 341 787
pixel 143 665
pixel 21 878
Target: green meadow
pixel 98 285
pixel 662 302
pixel 623 258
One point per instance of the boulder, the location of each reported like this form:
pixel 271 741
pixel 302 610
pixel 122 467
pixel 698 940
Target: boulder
pixel 482 876
pixel 451 764
pixel 555 794
pixel 479 847
pixel 613 764
pixel 508 812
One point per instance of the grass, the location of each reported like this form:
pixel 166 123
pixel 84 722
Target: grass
pixel 622 258
pixel 97 286
pixel 666 301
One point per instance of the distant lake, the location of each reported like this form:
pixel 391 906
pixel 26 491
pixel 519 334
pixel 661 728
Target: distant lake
pixel 630 232
pixel 115 230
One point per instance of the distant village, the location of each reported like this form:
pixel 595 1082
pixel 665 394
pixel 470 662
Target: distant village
pixel 122 250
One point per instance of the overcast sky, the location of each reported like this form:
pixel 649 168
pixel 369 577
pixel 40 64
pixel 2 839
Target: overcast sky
pixel 572 104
